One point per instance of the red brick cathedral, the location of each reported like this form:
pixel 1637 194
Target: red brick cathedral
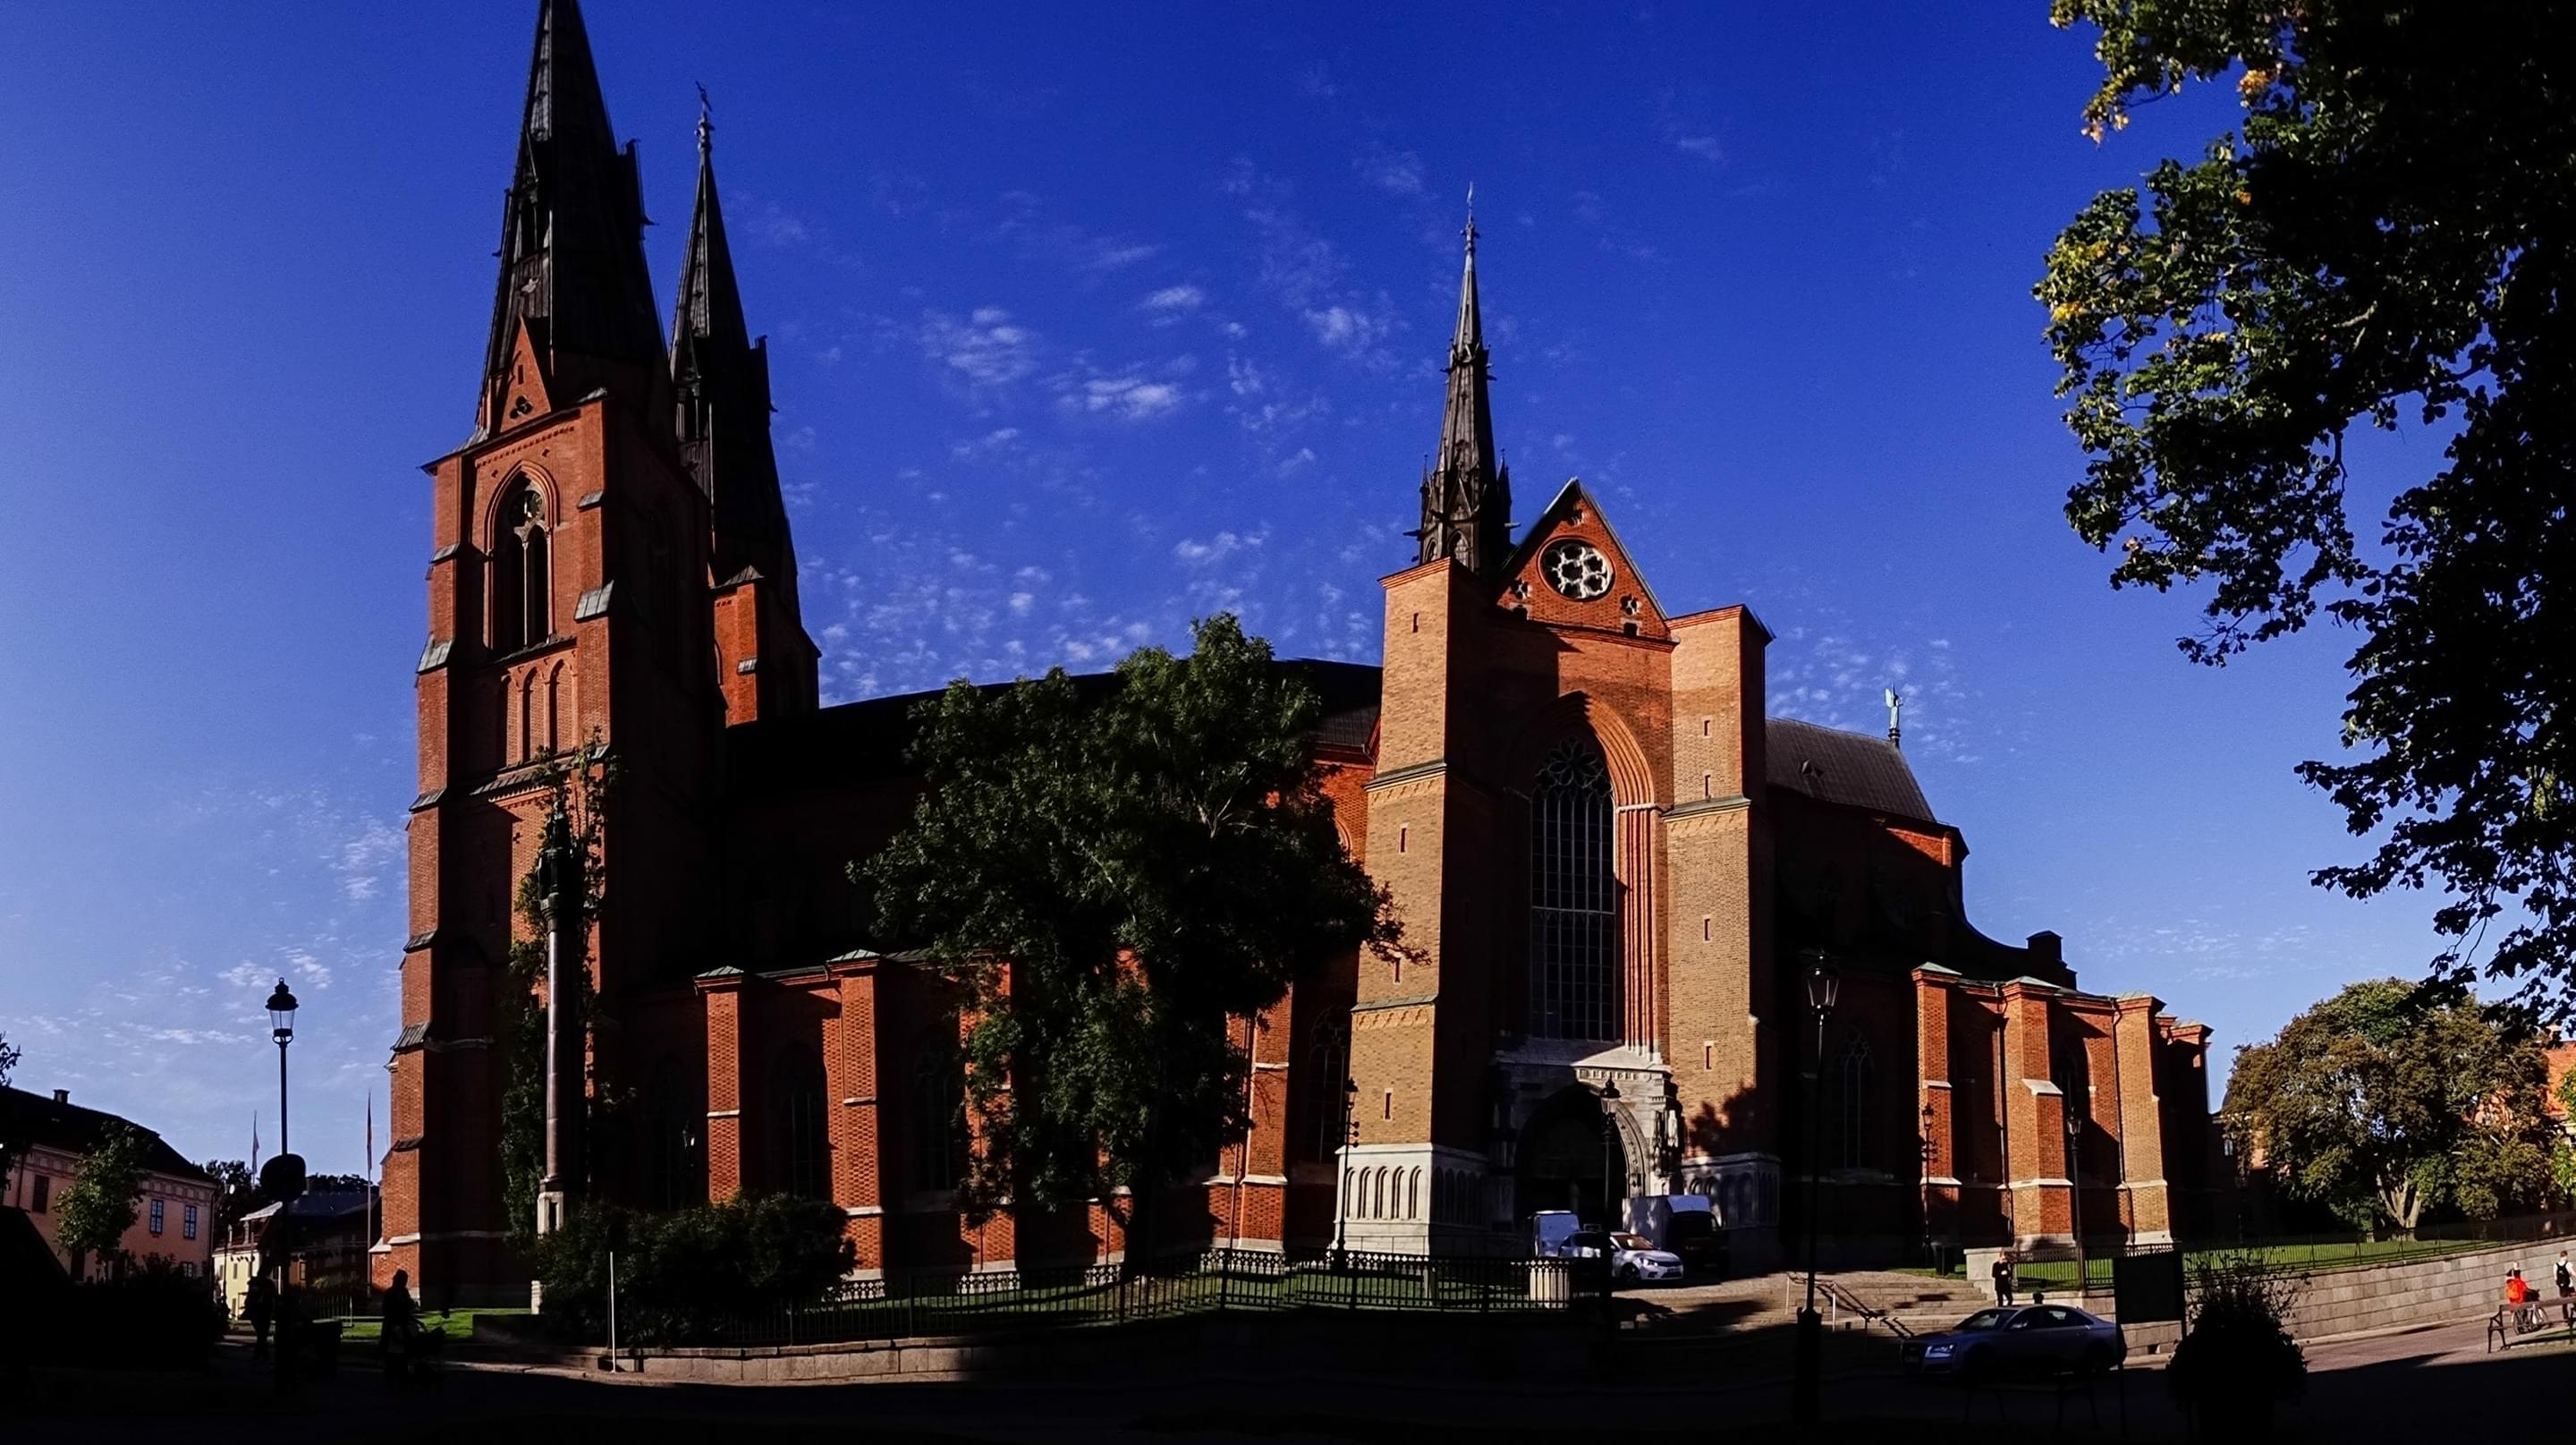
pixel 1618 868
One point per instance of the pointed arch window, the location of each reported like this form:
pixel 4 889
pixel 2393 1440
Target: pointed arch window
pixel 674 1139
pixel 1574 918
pixel 939 1133
pixel 1853 1109
pixel 522 571
pixel 1329 1061
pixel 2073 1068
pixel 800 1131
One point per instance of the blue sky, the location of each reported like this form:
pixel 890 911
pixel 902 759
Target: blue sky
pixel 1084 321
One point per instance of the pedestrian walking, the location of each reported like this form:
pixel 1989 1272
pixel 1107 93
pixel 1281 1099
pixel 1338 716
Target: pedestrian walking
pixel 260 1308
pixel 2003 1277
pixel 2566 1274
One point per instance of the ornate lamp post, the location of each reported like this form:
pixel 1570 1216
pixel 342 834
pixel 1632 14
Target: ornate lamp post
pixel 1924 1174
pixel 1824 989
pixel 1610 1186
pixel 1342 1189
pixel 281 1027
pixel 2075 1189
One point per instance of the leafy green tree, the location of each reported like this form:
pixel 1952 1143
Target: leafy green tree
pixel 1114 876
pixel 2387 239
pixel 682 1274
pixel 235 1193
pixel 8 1110
pixel 2391 1099
pixel 92 1213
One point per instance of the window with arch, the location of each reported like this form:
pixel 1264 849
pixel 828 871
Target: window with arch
pixel 1853 1109
pixel 522 570
pixel 2074 1075
pixel 1574 910
pixel 1329 1062
pixel 939 1134
pixel 527 716
pixel 674 1139
pixel 554 709
pixel 800 1140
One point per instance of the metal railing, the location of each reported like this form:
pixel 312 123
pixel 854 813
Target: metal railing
pixel 935 1303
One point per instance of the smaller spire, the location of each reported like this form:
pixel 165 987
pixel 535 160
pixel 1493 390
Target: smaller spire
pixel 1466 496
pixel 1895 719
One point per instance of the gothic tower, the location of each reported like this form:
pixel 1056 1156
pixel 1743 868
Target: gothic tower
pixel 569 616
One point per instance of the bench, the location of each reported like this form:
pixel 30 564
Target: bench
pixel 2510 1323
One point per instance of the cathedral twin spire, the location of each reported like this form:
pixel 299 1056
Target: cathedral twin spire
pixel 573 275
pixel 1467 491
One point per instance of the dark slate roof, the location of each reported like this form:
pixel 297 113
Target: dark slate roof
pixel 319 1205
pixel 1833 766
pixel 865 740
pixel 40 1121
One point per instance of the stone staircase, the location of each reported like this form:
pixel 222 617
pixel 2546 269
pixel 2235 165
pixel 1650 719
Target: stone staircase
pixel 1918 1303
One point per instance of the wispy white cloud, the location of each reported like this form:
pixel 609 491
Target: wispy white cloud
pixel 1127 398
pixel 1173 302
pixel 986 349
pixel 1398 173
pixel 1217 548
pixel 1705 147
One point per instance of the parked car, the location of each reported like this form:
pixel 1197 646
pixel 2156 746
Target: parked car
pixel 2040 1339
pixel 1632 1257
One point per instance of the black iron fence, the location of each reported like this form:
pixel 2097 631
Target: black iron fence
pixel 913 1304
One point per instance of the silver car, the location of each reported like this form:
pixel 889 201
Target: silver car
pixel 2040 1339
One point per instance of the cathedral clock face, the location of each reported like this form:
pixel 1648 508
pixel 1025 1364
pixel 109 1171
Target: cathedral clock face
pixel 1577 569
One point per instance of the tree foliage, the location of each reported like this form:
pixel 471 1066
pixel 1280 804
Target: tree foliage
pixel 8 1110
pixel 580 782
pixel 236 1193
pixel 2238 1354
pixel 93 1212
pixel 2391 1099
pixel 1155 863
pixel 2390 237
pixel 681 1274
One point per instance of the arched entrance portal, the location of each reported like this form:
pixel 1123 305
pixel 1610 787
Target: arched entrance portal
pixel 1568 1154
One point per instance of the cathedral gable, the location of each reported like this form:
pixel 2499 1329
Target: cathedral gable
pixel 519 394
pixel 1572 571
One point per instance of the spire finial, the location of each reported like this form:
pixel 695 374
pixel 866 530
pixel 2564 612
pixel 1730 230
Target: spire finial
pixel 1895 718
pixel 1470 232
pixel 706 127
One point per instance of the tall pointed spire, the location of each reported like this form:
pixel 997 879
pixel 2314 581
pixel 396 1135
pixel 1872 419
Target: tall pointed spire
pixel 720 378
pixel 572 244
pixel 1467 493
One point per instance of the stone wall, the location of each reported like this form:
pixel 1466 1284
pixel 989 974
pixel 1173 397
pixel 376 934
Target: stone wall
pixel 2421 1292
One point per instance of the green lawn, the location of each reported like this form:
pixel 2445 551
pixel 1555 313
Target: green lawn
pixel 2059 1274
pixel 459 1324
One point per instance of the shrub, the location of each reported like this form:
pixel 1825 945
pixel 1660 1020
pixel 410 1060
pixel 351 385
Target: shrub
pixel 149 1318
pixel 679 1276
pixel 2237 1359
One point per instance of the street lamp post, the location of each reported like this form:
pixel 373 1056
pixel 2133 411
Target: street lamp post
pixel 1824 987
pixel 1342 1187
pixel 1930 1250
pixel 2075 1190
pixel 1610 1185
pixel 281 1027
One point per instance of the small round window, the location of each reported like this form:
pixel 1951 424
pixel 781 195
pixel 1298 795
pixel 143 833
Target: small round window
pixel 1577 569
